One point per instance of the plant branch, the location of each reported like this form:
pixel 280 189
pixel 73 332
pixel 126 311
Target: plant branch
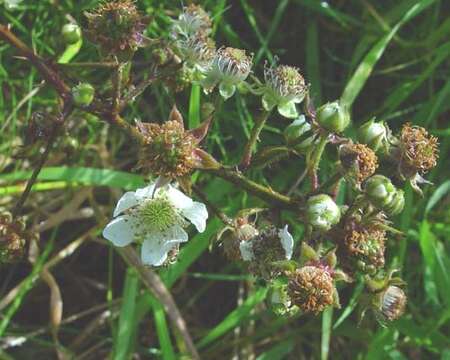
pixel 51 76
pixel 263 192
pixel 254 136
pixel 159 290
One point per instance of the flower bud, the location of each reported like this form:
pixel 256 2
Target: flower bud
pixel 296 129
pixel 393 303
pixel 333 117
pixel 373 134
pixel 384 195
pixel 397 204
pixel 322 212
pixel 83 94
pixel 311 288
pixel 71 33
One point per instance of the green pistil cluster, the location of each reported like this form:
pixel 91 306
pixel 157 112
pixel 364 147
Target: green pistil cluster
pixel 158 215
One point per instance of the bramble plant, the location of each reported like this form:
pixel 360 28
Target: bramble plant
pixel 344 237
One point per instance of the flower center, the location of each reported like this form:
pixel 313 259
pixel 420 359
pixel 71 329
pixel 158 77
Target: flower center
pixel 158 214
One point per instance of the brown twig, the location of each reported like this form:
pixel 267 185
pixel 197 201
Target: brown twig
pixel 51 76
pixel 159 290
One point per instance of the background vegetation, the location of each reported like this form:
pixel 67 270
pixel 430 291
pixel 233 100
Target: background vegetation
pixel 391 57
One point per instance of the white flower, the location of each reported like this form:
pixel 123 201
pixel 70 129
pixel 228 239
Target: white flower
pixel 155 219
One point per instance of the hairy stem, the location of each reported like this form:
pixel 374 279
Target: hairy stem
pixel 254 136
pixel 263 192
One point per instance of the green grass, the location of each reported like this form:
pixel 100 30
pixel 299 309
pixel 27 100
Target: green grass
pixel 381 58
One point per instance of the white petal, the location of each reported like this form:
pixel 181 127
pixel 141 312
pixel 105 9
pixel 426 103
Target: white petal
pixel 246 249
pixel 120 231
pixel 156 245
pixel 197 215
pixel 177 198
pixel 128 200
pixel 287 241
pixel 145 193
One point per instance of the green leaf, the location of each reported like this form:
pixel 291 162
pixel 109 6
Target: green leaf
pixel 234 318
pixel 365 68
pixel 194 106
pixel 438 194
pixel 162 331
pixel 82 175
pixel 327 319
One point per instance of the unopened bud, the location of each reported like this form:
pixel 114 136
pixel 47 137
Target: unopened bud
pixel 71 33
pixel 322 212
pixel 384 195
pixel 373 134
pixel 296 129
pixel 333 117
pixel 83 94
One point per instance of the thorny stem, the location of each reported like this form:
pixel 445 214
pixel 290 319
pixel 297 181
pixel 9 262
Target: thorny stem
pixel 263 192
pixel 154 283
pixel 53 135
pixel 313 165
pixel 254 136
pixel 46 71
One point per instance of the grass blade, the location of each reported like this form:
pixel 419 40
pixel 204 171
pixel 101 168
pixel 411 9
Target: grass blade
pixel 122 348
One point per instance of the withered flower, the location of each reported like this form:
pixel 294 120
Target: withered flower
pixel 13 238
pixel 417 153
pixel 241 231
pixel 311 288
pixel 358 161
pixel 268 247
pixel 170 151
pixel 117 27
pixel 362 246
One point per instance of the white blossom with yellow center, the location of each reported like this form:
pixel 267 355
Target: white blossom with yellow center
pixel 155 219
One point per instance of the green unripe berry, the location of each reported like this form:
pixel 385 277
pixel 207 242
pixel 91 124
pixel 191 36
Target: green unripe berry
pixel 71 33
pixel 322 212
pixel 83 94
pixel 333 117
pixel 374 134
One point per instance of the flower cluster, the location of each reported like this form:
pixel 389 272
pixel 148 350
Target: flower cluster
pixel 330 231
pixel 352 235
